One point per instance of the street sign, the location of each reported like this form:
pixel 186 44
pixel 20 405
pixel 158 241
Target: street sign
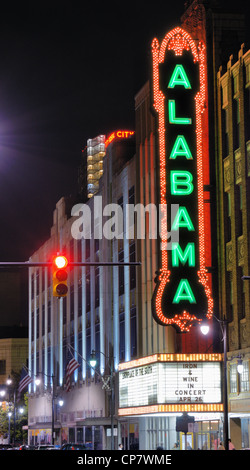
pixel 183 422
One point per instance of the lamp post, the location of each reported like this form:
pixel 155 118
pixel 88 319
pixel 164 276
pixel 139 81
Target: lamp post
pixel 224 326
pixel 9 416
pixel 205 329
pixel 9 383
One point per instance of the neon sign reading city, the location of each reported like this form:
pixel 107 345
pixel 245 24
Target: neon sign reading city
pixel 118 135
pixel 182 294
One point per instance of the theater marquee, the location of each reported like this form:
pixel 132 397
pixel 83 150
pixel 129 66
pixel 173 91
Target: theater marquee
pixel 164 384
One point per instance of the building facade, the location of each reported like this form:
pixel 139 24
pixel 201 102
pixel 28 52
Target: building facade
pixel 233 231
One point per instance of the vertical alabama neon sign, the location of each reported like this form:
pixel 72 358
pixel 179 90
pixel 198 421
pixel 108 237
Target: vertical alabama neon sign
pixel 182 294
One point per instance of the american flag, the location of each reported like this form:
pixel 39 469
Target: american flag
pixel 25 380
pixel 71 367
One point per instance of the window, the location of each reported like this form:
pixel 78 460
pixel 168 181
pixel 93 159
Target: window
pixel 71 250
pixel 122 336
pixel 88 344
pixel 79 299
pixel 43 320
pixel 32 286
pixel 225 133
pixel 72 307
pixel 49 317
pixel 236 123
pixel 236 83
pixel 132 268
pixel 32 325
pixel 37 323
pixel 233 378
pixel 244 377
pixel 238 206
pixel 79 250
pixel 121 272
pixel 133 327
pixel 43 279
pixel 227 200
pixel 224 95
pixel 87 277
pixel 37 282
pixel 97 340
pixel 2 367
pixel 131 195
pixel 87 249
pixel 241 292
pixel 247 73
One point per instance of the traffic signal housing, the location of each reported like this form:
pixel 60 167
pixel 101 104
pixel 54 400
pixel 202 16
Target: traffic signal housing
pixel 60 276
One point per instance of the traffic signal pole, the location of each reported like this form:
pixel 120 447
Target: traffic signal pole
pixel 28 264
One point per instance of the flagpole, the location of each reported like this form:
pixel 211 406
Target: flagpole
pixel 71 347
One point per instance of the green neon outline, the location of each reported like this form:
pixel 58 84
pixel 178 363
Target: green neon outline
pixel 174 174
pixel 178 255
pixel 172 118
pixel 179 295
pixel 180 148
pixel 182 213
pixel 179 71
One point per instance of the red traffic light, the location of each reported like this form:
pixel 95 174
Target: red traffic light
pixel 60 276
pixel 60 262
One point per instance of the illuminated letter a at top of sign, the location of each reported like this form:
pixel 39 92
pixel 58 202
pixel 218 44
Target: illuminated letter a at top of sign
pixel 179 77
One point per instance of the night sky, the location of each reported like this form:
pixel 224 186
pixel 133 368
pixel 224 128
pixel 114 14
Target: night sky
pixel 67 73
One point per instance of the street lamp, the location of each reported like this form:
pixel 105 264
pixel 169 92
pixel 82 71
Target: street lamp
pixel 205 329
pixel 9 415
pixel 93 360
pixel 9 382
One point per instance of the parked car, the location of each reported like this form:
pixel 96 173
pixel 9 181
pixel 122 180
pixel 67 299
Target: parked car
pixel 6 447
pixel 73 446
pixel 26 447
pixel 46 447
